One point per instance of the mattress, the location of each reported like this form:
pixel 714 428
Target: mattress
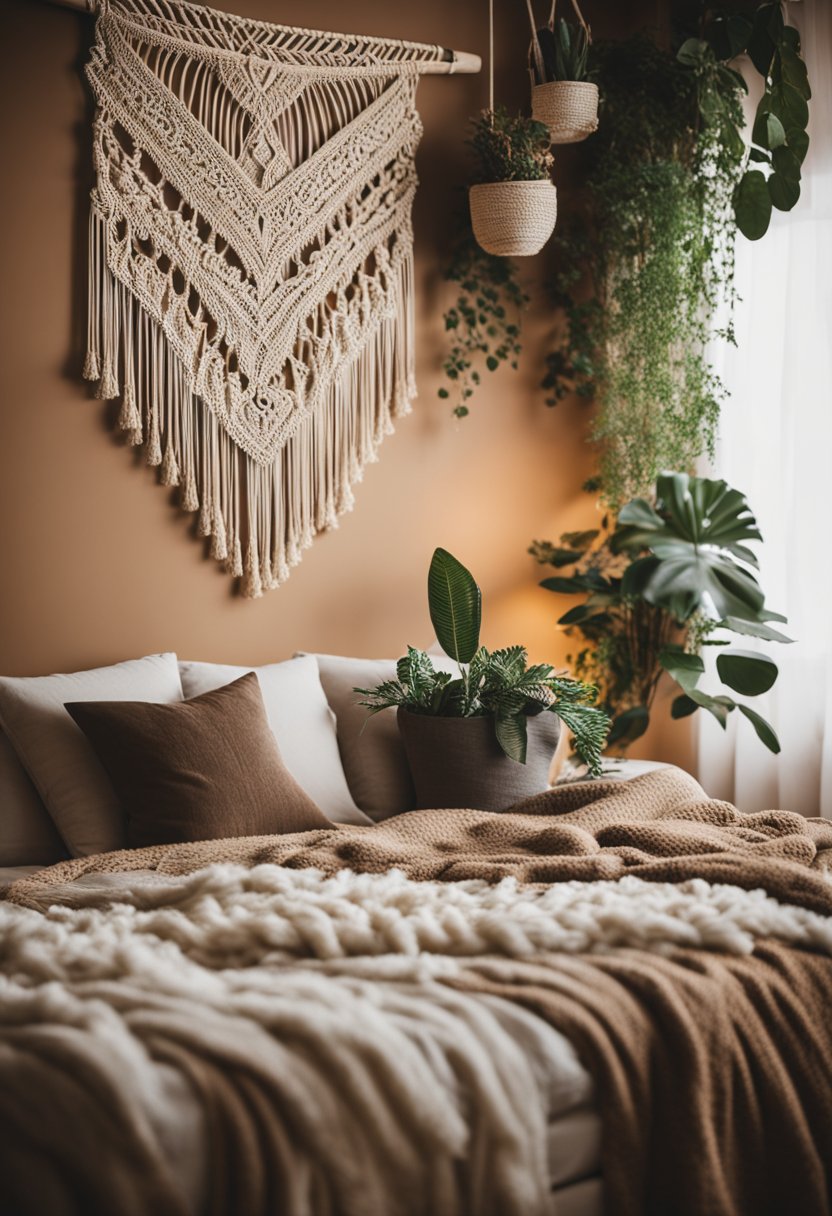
pixel 574 1132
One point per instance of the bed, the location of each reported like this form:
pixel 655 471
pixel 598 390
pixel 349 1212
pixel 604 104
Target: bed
pixel 613 999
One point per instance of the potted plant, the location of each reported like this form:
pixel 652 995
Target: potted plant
pixel 513 202
pixel 670 579
pixel 486 738
pixel 562 97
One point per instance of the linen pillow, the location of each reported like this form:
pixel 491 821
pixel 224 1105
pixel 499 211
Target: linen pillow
pixel 74 787
pixel 199 770
pixel 372 751
pixel 27 834
pixel 302 722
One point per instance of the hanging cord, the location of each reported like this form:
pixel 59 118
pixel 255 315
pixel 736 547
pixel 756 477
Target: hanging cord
pixel 491 56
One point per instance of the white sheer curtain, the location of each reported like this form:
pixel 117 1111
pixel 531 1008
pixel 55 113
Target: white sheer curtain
pixel 776 446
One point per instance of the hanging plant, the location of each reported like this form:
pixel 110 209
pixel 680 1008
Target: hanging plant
pixel 779 136
pixel 562 97
pixel 513 201
pixel 641 269
pixel 484 323
pixel 660 585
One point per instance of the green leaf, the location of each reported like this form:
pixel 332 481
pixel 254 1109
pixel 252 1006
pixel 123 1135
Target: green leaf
pixel 492 363
pixel 443 393
pixel 746 671
pixel 630 725
pixel 684 668
pixel 719 707
pixel 754 629
pixel 761 158
pixel 760 46
pixel 563 557
pixel 798 142
pixel 765 733
pixel 455 603
pixel 565 586
pixel 768 130
pixel 789 105
pixel 692 52
pixel 794 72
pixel 683 706
pixel 786 164
pixel 511 735
pixel 752 205
pixel 784 191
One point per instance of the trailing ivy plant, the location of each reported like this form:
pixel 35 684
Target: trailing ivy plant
pixel 499 684
pixel 641 269
pixel 485 320
pixel 639 273
pixel 670 578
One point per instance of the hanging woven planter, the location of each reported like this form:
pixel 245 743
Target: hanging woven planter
pixel 513 219
pixel 569 108
pixel 561 99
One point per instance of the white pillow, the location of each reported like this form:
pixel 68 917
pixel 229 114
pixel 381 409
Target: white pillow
pixel 372 751
pixel 28 836
pixel 64 768
pixel 301 721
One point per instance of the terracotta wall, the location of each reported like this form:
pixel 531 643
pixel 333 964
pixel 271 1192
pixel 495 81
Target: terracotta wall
pixel 97 565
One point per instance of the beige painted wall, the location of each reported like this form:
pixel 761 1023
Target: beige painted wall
pixel 97 565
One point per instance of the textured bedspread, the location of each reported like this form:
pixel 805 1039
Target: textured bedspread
pixel 346 1004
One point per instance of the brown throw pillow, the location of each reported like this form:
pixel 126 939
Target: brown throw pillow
pixel 197 770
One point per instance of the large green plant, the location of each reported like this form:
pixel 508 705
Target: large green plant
pixel 497 683
pixel 666 581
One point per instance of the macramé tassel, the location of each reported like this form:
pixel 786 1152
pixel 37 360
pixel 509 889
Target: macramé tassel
pixel 129 418
pixel 235 559
pixel 252 587
pixel 153 451
pixel 170 469
pixel 92 366
pixel 190 498
pixel 219 543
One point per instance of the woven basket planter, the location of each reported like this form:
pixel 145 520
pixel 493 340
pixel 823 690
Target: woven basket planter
pixel 569 108
pixel 513 219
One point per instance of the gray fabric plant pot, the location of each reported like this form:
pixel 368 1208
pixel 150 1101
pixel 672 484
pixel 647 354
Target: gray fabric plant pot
pixel 457 762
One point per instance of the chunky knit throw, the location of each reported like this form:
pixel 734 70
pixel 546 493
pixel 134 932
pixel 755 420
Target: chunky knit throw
pixel 250 287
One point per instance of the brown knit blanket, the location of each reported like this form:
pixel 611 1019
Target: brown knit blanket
pixel 713 1072
pixel 660 826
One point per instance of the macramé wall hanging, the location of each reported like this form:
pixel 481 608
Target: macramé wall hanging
pixel 251 277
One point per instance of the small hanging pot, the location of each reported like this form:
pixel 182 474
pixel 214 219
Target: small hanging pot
pixel 569 108
pixel 513 219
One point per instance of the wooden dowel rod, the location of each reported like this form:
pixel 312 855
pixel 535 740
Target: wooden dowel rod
pixel 452 63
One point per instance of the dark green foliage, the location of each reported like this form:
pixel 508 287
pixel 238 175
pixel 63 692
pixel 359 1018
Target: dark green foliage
pixel 563 52
pixel 484 323
pixel 641 269
pixel 666 581
pixel 510 148
pixel 499 683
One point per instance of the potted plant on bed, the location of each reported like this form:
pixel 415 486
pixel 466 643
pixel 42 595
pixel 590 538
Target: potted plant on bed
pixel 486 738
pixel 562 97
pixel 513 202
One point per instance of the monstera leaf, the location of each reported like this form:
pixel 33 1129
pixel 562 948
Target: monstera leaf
pixel 697 561
pixel 455 605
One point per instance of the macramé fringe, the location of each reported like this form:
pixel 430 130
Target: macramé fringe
pixel 258 520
